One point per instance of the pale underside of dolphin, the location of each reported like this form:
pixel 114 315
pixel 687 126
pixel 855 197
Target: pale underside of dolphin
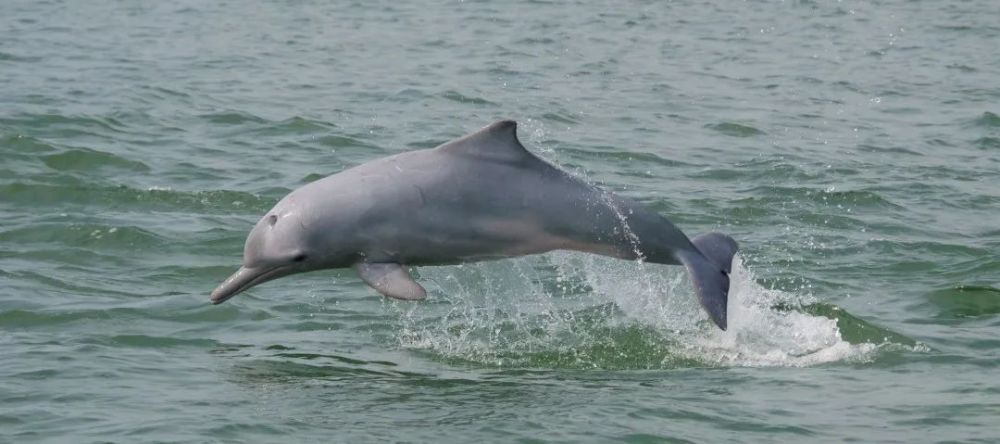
pixel 481 197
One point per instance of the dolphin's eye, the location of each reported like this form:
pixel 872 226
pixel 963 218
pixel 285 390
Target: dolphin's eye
pixel 272 219
pixel 299 258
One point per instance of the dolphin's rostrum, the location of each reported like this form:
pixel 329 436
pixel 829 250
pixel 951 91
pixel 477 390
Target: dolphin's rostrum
pixel 480 197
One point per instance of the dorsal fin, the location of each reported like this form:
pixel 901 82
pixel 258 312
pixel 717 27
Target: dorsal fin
pixel 498 141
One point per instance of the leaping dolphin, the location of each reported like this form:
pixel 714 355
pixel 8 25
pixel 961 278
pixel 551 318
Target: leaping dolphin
pixel 481 197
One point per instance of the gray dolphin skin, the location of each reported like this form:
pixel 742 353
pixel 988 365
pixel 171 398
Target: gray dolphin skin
pixel 481 197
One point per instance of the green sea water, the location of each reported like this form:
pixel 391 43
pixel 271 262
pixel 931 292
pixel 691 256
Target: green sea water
pixel 852 148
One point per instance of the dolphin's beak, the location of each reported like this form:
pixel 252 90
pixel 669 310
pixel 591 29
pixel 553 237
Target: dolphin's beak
pixel 245 278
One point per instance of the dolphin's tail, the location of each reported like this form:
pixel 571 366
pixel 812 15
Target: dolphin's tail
pixel 710 272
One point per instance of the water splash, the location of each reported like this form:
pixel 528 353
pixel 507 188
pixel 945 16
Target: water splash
pixel 761 334
pixel 569 310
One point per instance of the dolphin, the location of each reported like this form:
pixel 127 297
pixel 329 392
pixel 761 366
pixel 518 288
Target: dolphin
pixel 480 197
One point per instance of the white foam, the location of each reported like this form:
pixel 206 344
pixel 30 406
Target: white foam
pixel 760 335
pixel 499 310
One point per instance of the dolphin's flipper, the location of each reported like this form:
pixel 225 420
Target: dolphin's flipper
pixel 390 279
pixel 710 273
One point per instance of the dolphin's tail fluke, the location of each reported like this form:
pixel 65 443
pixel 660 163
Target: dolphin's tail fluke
pixel 710 272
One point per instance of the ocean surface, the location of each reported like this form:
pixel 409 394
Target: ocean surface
pixel 852 148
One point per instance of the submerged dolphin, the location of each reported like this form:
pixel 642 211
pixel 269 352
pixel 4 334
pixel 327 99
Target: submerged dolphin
pixel 480 197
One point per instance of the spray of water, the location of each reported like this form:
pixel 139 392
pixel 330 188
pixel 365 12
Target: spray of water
pixel 569 310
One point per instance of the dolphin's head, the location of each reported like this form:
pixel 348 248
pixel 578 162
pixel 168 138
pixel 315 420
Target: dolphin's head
pixel 279 245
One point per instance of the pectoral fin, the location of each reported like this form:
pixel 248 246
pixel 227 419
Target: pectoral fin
pixel 390 279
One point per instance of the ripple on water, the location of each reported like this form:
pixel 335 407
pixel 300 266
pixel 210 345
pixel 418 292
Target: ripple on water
pixel 456 96
pixel 84 235
pixel 735 129
pixel 987 120
pixel 231 118
pixel 293 126
pixel 23 144
pixel 900 248
pixel 278 367
pixel 343 141
pixel 561 117
pixel 90 160
pixel 829 196
pixel 77 194
pixel 756 170
pixel 966 301
pixel 8 57
pixel 987 143
pixel 59 125
pixel 615 155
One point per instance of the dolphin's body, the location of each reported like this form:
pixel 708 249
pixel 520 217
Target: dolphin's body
pixel 480 197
